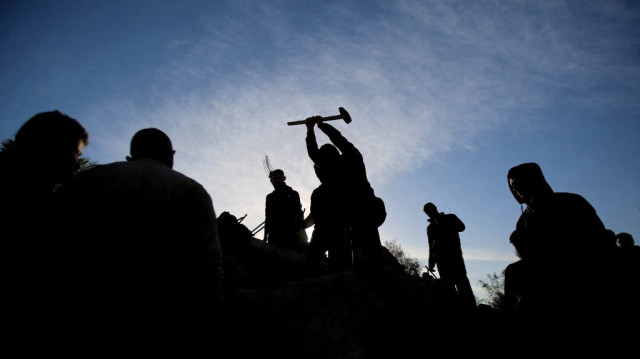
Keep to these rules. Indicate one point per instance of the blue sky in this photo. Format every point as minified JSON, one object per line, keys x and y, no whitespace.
{"x":445,"y":97}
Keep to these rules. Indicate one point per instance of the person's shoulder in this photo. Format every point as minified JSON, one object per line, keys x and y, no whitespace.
{"x":570,"y":200}
{"x":177,"y":175}
{"x":567,"y":196}
{"x":101,"y":169}
{"x":161,"y":173}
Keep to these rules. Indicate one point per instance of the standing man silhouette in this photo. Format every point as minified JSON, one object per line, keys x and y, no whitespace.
{"x":445,"y":251}
{"x":283,"y":213}
{"x":331,"y":228}
{"x":343,"y":164}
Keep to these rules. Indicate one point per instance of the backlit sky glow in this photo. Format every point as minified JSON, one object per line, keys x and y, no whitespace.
{"x":445,"y":97}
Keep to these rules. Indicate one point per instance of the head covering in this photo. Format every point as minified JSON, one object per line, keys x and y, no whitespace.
{"x":530,"y":182}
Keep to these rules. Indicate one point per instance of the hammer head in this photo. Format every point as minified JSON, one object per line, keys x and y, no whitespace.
{"x":345,"y":115}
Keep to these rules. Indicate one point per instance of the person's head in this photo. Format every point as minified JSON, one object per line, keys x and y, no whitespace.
{"x":152,"y":143}
{"x":329,"y":152}
{"x":277,"y":177}
{"x":625,"y":240}
{"x":328,"y":159}
{"x":527,"y":183}
{"x":54,"y":141}
{"x":328,"y":155}
{"x":430,"y":209}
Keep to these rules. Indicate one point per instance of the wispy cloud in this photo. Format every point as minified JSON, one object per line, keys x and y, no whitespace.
{"x":418,"y":73}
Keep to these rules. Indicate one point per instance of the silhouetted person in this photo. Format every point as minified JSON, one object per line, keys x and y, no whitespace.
{"x":563,"y":281}
{"x":629,"y":257}
{"x":234,"y":239}
{"x":330,"y":232}
{"x":445,"y":251}
{"x":283,"y":213}
{"x":42,"y":155}
{"x":150,"y":263}
{"x":630,"y":253}
{"x":343,"y":163}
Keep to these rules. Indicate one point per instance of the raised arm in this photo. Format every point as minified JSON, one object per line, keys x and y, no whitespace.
{"x":312,"y":144}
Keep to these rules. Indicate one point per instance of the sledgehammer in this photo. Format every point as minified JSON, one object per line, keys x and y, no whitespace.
{"x":343,"y":115}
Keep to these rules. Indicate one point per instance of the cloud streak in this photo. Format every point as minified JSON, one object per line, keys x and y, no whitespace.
{"x":419,"y":73}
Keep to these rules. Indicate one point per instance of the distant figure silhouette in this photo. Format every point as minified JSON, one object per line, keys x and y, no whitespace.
{"x":342,"y":162}
{"x":566,"y":266}
{"x":630,"y":252}
{"x":330,"y":232}
{"x":234,"y":239}
{"x":150,"y":264}
{"x":283,"y":213}
{"x":629,"y":257}
{"x":445,"y":251}
{"x":43,"y":154}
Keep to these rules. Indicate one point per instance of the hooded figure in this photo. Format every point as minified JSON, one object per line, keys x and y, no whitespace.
{"x":566,"y":258}
{"x":556,"y":226}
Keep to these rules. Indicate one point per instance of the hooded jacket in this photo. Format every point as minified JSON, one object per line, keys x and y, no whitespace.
{"x":556,"y":227}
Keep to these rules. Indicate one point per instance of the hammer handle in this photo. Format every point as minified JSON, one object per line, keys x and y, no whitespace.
{"x":328,"y":118}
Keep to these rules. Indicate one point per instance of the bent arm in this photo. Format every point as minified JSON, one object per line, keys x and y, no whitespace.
{"x":455,"y":223}
{"x":432,"y":257}
{"x":296,"y":208}
{"x":267,"y":220}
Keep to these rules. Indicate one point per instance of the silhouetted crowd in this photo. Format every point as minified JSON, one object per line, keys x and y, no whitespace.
{"x":107,"y":254}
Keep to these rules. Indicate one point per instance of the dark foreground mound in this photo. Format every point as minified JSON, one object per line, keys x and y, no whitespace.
{"x":301,"y":311}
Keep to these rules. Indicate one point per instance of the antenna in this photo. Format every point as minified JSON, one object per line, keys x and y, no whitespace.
{"x":267,"y":166}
